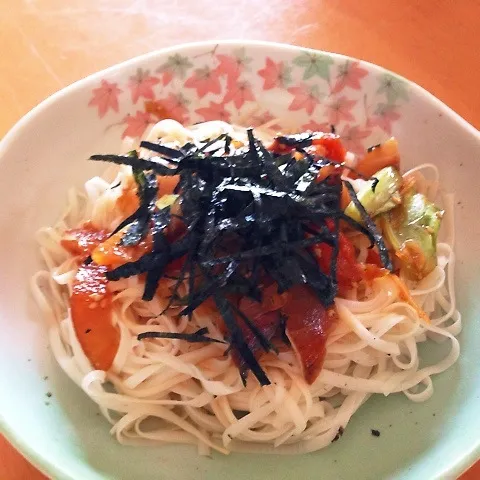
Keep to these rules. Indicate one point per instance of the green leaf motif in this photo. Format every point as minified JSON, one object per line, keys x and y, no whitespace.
{"x":182,"y":99}
{"x":286,"y":76}
{"x":178,"y":64}
{"x":384,"y":108}
{"x":393,"y":87}
{"x":344,"y":68}
{"x":241,"y":55}
{"x":314,"y":65}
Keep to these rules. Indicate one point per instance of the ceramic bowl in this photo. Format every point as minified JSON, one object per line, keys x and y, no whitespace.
{"x":56,"y":426}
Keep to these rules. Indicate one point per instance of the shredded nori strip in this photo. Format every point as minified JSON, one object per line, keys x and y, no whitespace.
{"x":134,"y":163}
{"x":370,"y":224}
{"x":247,"y":216}
{"x":136,"y":232}
{"x":283,"y":330}
{"x":170,"y":153}
{"x":197,"y":337}
{"x":215,"y":284}
{"x":264,"y":342}
{"x":238,"y":341}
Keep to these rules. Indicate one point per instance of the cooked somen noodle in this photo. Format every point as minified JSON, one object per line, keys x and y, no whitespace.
{"x":171,"y":390}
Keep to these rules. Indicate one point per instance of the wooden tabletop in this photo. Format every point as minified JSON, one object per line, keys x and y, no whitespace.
{"x":47,"y":44}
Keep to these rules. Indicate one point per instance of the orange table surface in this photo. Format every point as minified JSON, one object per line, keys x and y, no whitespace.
{"x":47,"y":44}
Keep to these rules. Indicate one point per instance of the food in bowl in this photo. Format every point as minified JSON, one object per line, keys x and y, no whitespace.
{"x":244,"y":290}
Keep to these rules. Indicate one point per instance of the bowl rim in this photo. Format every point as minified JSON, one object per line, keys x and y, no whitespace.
{"x":52,"y":467}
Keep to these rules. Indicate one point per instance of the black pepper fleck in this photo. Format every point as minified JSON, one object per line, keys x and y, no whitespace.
{"x":375,"y":433}
{"x":45,"y":377}
{"x":48,"y":394}
{"x":88,"y":330}
{"x":47,"y":404}
{"x":433,"y":414}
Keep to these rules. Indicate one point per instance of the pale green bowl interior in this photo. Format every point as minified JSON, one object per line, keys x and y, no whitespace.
{"x":44,"y":155}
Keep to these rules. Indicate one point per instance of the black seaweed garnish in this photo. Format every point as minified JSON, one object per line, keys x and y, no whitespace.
{"x":248,"y":218}
{"x":196,"y":337}
{"x":370,"y":224}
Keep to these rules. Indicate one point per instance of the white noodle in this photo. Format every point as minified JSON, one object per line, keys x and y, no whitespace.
{"x":168,"y":391}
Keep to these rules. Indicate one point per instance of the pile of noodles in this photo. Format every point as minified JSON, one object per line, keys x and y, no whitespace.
{"x":171,"y":391}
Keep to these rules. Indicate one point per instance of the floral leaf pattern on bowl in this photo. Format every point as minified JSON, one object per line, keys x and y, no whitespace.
{"x":204,"y":80}
{"x":393,"y":87}
{"x":350,"y":75}
{"x":136,"y":124}
{"x":215,"y":111}
{"x":384,"y":116}
{"x":275,"y":74}
{"x":232,"y":66}
{"x":244,"y":86}
{"x":175,"y":65}
{"x":314,"y":64}
{"x":354,"y":137}
{"x":105,"y":97}
{"x":304,"y":96}
{"x":141,"y":85}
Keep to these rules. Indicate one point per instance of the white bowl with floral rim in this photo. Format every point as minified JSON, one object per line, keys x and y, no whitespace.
{"x":55,"y":425}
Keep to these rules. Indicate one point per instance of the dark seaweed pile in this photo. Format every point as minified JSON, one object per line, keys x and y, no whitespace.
{"x":247,"y":215}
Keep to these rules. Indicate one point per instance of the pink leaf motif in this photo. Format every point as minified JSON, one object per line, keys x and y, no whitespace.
{"x":215,"y":111}
{"x":232,"y":66}
{"x":141,"y":85}
{"x":204,"y":80}
{"x":314,"y":126}
{"x":340,"y":109}
{"x":228,"y":66}
{"x":263,"y":119}
{"x":349,"y":75}
{"x":240,"y":92}
{"x":175,"y":106}
{"x":383,"y":117}
{"x":305,"y":97}
{"x":105,"y":97}
{"x":136,"y":124}
{"x":352,"y":136}
{"x":167,"y":77}
{"x":274,"y":74}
